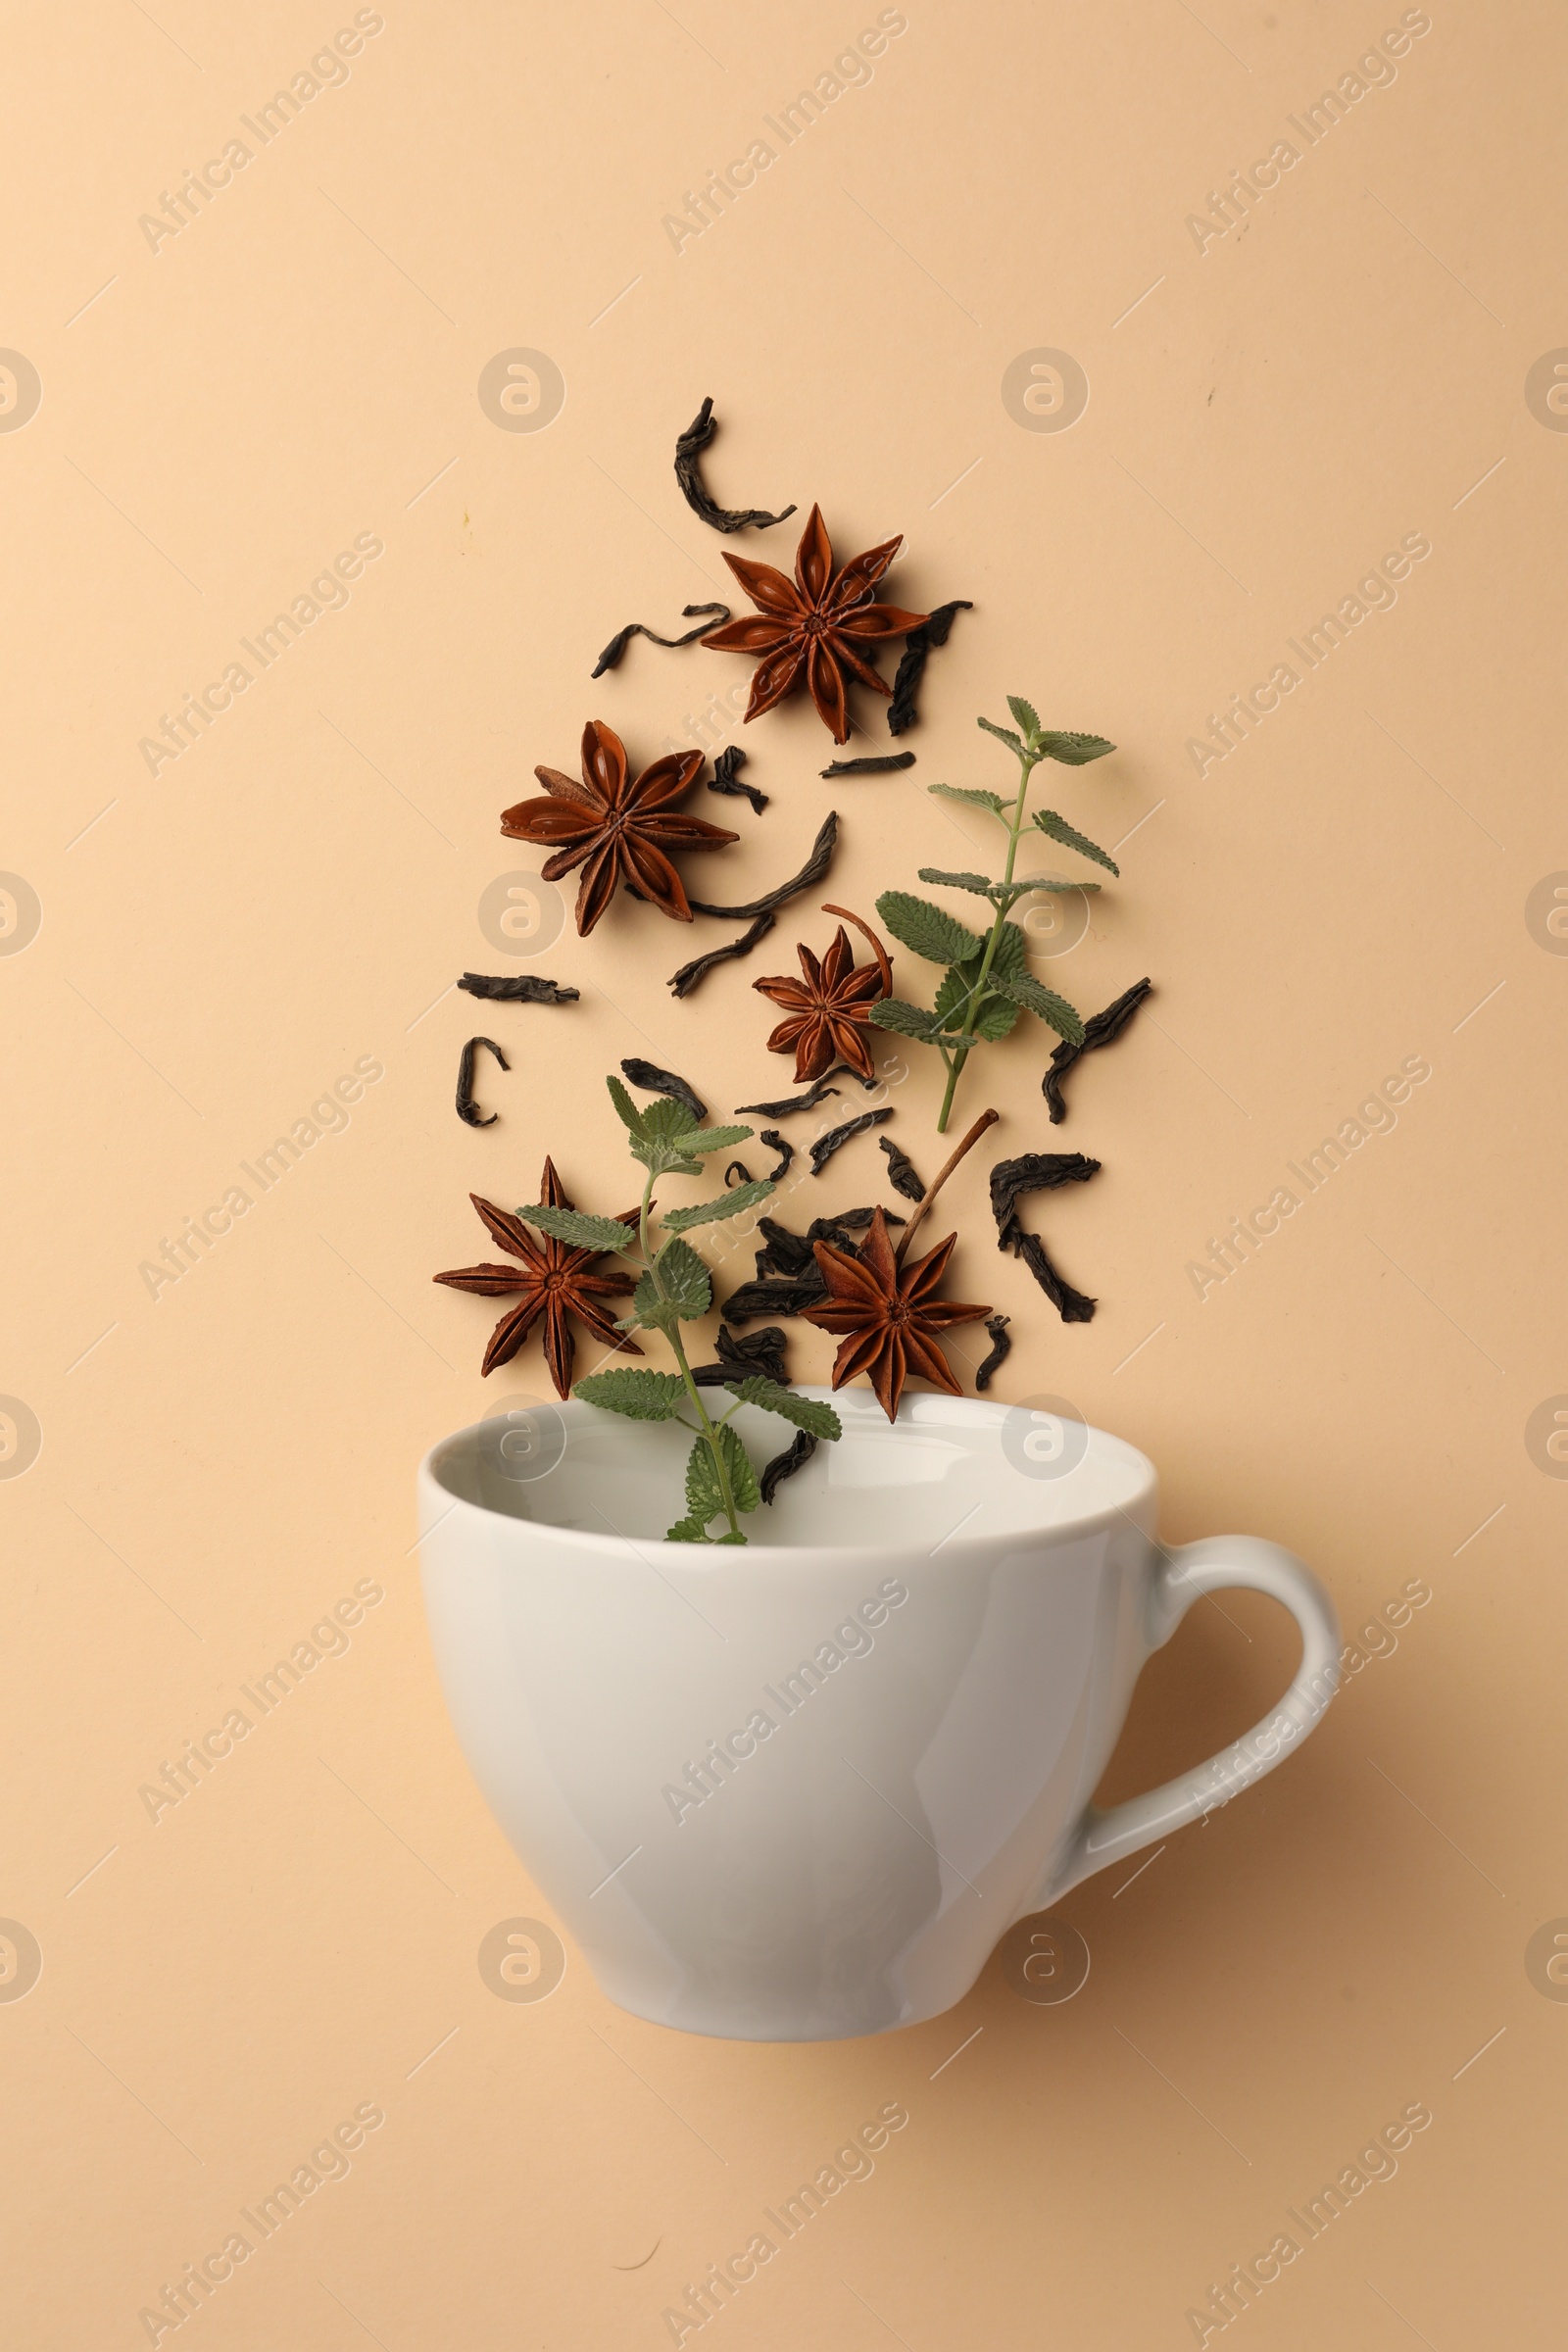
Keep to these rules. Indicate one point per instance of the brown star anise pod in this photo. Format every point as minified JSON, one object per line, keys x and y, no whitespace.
{"x":554,"y":1280}
{"x":889,"y":1313}
{"x":829,"y":1008}
{"x":616,"y":831}
{"x":815,"y":623}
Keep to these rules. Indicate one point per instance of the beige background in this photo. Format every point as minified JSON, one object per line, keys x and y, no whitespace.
{"x":220,"y":941}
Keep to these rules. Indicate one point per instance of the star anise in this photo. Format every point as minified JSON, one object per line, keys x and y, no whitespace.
{"x":553,"y":1281}
{"x":815,"y":623}
{"x":831,"y":1007}
{"x":888,"y":1314}
{"x":614,"y":830}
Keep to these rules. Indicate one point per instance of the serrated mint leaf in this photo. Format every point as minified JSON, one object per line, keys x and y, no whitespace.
{"x":1025,"y":714}
{"x":738,"y":1468}
{"x":976,"y":799}
{"x":976,"y":882}
{"x":906,"y":1021}
{"x":1073,"y":751}
{"x":704,"y":1497}
{"x":626,"y":1109}
{"x":805,"y":1413}
{"x":684,"y":1280}
{"x":1003,"y":734}
{"x":996,"y":1019}
{"x":1057,"y":882}
{"x":743,"y":1195}
{"x":1011,"y":953}
{"x":1025,"y":989}
{"x":700,"y":1141}
{"x":1057,"y":829}
{"x":640,"y":1396}
{"x":929,"y":930}
{"x":686,"y":1530}
{"x":667,"y":1119}
{"x":582,"y":1232}
{"x":650,"y":1311}
{"x":730,"y":1535}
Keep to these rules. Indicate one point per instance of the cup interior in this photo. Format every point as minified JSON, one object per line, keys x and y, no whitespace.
{"x":949,"y":1470}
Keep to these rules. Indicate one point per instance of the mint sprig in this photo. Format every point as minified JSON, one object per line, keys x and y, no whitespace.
{"x":987,"y":982}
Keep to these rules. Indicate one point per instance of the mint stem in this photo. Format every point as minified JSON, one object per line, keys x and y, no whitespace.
{"x":960,"y":1053}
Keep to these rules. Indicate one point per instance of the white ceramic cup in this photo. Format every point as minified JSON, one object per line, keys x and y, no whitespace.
{"x":799,"y":1791}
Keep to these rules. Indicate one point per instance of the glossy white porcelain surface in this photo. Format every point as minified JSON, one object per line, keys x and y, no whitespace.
{"x":798,"y":1790}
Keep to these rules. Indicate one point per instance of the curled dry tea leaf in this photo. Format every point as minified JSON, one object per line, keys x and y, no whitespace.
{"x":467,"y":1109}
{"x":688,"y":452}
{"x":933,"y":631}
{"x":1101,"y":1029}
{"x":517,"y":988}
{"x":610,"y":657}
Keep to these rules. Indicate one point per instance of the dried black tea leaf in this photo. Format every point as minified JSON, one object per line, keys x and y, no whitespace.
{"x":902,"y":713}
{"x":784,"y":1465}
{"x":517,"y":988}
{"x":876,"y":767}
{"x":725,"y":769}
{"x":682,"y":983}
{"x":836,"y":1138}
{"x":842,"y":1228}
{"x":688,"y":451}
{"x":1071,"y":1304}
{"x":813,"y":871}
{"x":654,"y":1081}
{"x":737,"y":1172}
{"x":782,"y":1108}
{"x":772,"y":1137}
{"x":757,"y":1351}
{"x":1031,"y":1172}
{"x":900,"y":1172}
{"x":783,"y":1251}
{"x":1001,"y":1342}
{"x":752,"y":1299}
{"x":1098,"y":1030}
{"x":618,"y":645}
{"x":467,"y":1109}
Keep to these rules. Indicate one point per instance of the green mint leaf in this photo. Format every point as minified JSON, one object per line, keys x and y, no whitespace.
{"x":976,"y":882}
{"x":684,"y":1280}
{"x":975,"y":800}
{"x":1025,"y":989}
{"x":1011,"y":953}
{"x":1073,"y":751}
{"x":743,"y":1195}
{"x":697,"y":1141}
{"x":667,"y":1119}
{"x":908,"y":1020}
{"x":650,"y":1311}
{"x":704,"y":1496}
{"x":1004,"y":735}
{"x":929,"y":930}
{"x":742,"y":1476}
{"x":1057,"y":829}
{"x":729,"y":1536}
{"x":626,"y":1109}
{"x":686,"y":1530}
{"x":803,"y":1411}
{"x":995,"y":1018}
{"x":1056,"y":882}
{"x":582,"y":1232}
{"x":1026,"y":715}
{"x":640,"y":1396}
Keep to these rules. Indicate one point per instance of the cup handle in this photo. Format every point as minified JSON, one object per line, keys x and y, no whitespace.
{"x":1182,"y":1577}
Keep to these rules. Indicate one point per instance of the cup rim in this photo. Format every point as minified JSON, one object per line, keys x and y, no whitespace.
{"x":932,"y":1408}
